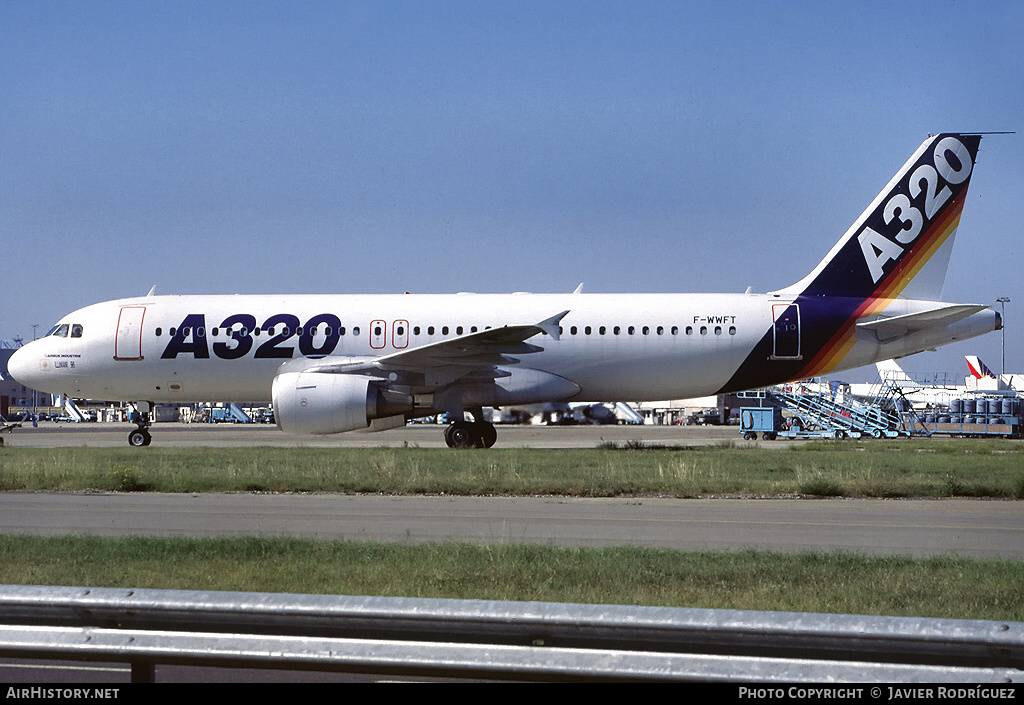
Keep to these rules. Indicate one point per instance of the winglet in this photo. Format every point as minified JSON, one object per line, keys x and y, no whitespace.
{"x":578,"y":289}
{"x":550,"y":325}
{"x":152,"y":291}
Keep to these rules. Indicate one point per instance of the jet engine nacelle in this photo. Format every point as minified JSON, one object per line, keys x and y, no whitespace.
{"x":318,"y":403}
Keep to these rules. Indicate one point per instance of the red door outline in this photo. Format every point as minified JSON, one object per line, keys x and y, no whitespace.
{"x":378,"y":334}
{"x":400,"y":334}
{"x":128,"y":340}
{"x":786,"y":326}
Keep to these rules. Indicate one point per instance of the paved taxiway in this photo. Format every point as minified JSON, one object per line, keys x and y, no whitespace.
{"x":57,"y":434}
{"x":913,"y":527}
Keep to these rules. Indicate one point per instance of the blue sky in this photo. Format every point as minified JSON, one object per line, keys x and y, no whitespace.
{"x":348,"y":147}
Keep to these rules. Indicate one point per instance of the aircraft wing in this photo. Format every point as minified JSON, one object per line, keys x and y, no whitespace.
{"x":482,"y":350}
{"x":897,"y":326}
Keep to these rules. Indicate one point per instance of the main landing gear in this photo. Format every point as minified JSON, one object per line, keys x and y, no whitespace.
{"x":471,"y":434}
{"x":140,"y":437}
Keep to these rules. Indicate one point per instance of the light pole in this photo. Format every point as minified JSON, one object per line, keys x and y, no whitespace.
{"x":1002,"y":301}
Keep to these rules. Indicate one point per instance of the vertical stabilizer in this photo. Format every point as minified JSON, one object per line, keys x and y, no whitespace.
{"x":898,"y":248}
{"x":890,"y":371}
{"x":978,"y":369}
{"x":900,"y":245}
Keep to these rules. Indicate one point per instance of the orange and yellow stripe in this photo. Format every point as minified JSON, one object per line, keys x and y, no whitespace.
{"x":833,"y":352}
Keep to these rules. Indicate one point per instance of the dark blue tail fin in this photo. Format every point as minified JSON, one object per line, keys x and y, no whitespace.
{"x":900,"y":245}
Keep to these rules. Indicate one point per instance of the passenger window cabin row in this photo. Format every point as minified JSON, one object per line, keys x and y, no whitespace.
{"x":215,"y":332}
{"x":647,"y":330}
{"x":76,"y":331}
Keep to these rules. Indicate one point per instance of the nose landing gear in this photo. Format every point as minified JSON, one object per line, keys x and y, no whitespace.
{"x":140,"y":436}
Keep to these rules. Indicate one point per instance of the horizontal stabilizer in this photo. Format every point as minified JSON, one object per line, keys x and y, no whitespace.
{"x":898,"y":326}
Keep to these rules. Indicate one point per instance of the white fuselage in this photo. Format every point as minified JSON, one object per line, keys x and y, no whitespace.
{"x":614,"y":347}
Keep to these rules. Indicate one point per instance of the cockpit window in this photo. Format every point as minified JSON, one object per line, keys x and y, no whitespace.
{"x":61,"y":330}
{"x":76,"y":330}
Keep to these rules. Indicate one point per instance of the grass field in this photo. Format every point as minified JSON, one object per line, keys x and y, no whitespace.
{"x":833,"y":582}
{"x":903,"y":468}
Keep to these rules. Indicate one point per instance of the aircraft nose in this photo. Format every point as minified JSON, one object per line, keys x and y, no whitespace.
{"x":23,"y":366}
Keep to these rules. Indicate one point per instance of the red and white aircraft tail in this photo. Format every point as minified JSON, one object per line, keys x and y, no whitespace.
{"x":977,"y":368}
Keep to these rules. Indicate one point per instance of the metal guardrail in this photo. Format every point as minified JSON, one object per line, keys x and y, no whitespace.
{"x":497,"y":640}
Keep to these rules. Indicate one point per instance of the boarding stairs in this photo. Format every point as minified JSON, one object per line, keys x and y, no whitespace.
{"x":238,"y":414}
{"x":628,"y":413}
{"x":815,"y":405}
{"x":72,"y":410}
{"x":891,"y":398}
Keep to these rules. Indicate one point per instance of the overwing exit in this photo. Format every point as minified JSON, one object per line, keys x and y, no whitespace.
{"x":331,"y":364}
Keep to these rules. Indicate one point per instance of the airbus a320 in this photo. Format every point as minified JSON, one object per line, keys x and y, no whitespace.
{"x":331,"y":364}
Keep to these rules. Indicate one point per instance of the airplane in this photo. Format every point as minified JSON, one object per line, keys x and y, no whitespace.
{"x":891,"y":370}
{"x":977,"y":368}
{"x":337,"y":363}
{"x":983,"y":379}
{"x":920,"y":394}
{"x":937,"y":391}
